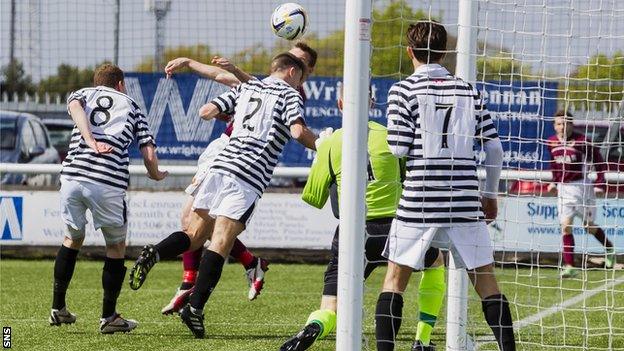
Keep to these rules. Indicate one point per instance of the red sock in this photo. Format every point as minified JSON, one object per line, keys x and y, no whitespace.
{"x":568,"y":249}
{"x":190,"y":261}
{"x":602,"y":238}
{"x":241,"y":254}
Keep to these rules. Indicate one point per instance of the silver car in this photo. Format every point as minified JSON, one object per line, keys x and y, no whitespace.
{"x":24,"y":139}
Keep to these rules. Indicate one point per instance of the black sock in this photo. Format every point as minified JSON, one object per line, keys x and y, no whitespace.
{"x":388,"y":319}
{"x":186,"y":285}
{"x":173,"y":245}
{"x":112,"y":278}
{"x":63,"y":271}
{"x":209,"y":274}
{"x":498,"y":316}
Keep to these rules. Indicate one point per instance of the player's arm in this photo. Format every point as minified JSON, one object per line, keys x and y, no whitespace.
{"x":300,"y":132}
{"x":401,"y":128}
{"x":552,"y":186}
{"x":222,"y":104}
{"x":147,"y":146}
{"x":211,"y":72}
{"x":599,"y":165}
{"x":493,"y":163}
{"x":79,"y":116}
{"x":225,"y":64}
{"x":316,"y":190}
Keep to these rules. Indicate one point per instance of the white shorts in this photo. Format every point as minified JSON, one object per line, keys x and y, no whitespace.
{"x":225,"y":195}
{"x":470,"y":245}
{"x":205,"y":160}
{"x":107,"y":206}
{"x":576,"y":199}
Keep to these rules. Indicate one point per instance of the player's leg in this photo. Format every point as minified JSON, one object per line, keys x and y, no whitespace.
{"x":225,"y":232}
{"x":567,"y":240}
{"x":594,"y":229}
{"x":113,"y":275}
{"x":175,"y":244}
{"x":389,"y":310}
{"x":431,"y":292}
{"x":73,"y":215}
{"x":255,"y":268}
{"x":322,"y":321}
{"x":471,"y":248}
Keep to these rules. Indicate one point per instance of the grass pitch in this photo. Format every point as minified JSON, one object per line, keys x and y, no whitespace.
{"x":291,"y":293}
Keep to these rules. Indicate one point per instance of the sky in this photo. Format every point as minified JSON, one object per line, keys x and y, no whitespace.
{"x":550,"y":35}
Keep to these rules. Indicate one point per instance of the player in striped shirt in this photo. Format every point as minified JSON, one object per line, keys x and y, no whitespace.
{"x":267,"y":114}
{"x":572,"y":158}
{"x":385,"y":173}
{"x":95,"y":177}
{"x":434,"y":119}
{"x":255,"y":267}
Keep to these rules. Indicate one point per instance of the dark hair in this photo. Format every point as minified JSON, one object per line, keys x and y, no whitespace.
{"x":567,"y":116}
{"x":308,"y":50}
{"x":285,"y":60}
{"x":108,"y":75}
{"x":427,"y":40}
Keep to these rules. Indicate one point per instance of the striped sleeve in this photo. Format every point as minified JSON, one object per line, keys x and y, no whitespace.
{"x":226,"y":102}
{"x":80,"y":95}
{"x":142,"y":133}
{"x":401,"y":127}
{"x":485,"y":130}
{"x":293,"y":108}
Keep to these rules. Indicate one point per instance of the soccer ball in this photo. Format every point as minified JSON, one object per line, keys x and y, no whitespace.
{"x":289,"y":21}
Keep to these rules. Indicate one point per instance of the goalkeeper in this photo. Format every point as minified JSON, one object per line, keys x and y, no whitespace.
{"x":385,"y":173}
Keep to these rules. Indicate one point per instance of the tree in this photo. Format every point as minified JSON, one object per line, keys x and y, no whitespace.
{"x":67,"y":79}
{"x":502,"y":68}
{"x":201,"y":53}
{"x":15,"y":80}
{"x":600,"y":81}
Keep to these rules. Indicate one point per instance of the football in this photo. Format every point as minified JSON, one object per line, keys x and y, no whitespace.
{"x":289,"y":21}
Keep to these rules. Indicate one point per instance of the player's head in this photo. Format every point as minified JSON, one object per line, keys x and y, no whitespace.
{"x":339,"y":102}
{"x":426,"y":41}
{"x":306,"y":54}
{"x":564,"y":124}
{"x":289,"y":68}
{"x":110,"y":76}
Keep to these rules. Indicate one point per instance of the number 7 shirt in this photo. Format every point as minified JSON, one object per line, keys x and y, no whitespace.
{"x":263,"y":113}
{"x":434,"y":120}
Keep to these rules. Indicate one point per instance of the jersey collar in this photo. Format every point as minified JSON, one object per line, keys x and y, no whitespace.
{"x":275,"y":80}
{"x":431,"y":70}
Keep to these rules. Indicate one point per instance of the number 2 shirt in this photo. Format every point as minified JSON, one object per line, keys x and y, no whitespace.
{"x":434,"y":120}
{"x":263,"y":113}
{"x":114,"y":118}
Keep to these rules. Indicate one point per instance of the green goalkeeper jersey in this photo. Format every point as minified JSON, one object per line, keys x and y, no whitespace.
{"x":385,"y":174}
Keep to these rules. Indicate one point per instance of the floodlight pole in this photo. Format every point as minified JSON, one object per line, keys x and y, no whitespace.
{"x":353,"y":185}
{"x":457,"y":297}
{"x":160,"y":8}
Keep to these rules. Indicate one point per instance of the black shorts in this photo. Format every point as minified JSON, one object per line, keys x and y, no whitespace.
{"x":377,"y":233}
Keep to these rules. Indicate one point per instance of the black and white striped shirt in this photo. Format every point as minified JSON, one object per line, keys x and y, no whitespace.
{"x":434,"y":120}
{"x":263,"y":113}
{"x":115,"y":119}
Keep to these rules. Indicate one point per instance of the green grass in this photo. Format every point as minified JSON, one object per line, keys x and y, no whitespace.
{"x":291,"y":293}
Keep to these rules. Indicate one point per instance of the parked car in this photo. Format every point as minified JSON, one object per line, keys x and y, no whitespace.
{"x":60,"y":134}
{"x":24,"y":139}
{"x":608,"y":136}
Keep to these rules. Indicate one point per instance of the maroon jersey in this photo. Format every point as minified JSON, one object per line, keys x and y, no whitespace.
{"x":573,"y":158}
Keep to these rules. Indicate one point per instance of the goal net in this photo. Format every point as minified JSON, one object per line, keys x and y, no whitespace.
{"x":533,"y":59}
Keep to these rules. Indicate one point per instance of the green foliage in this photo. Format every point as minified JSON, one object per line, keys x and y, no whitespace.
{"x":502,"y":68}
{"x":601,"y":80}
{"x":67,"y":79}
{"x":15,"y":80}
{"x":200,"y":53}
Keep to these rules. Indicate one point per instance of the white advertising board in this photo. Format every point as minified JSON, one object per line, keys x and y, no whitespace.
{"x":284,"y":221}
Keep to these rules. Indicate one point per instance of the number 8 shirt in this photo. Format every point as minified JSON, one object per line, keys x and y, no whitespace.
{"x":435,"y":118}
{"x":115,"y":119}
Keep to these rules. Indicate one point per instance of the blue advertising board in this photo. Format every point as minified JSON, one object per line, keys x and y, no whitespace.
{"x":521,"y":111}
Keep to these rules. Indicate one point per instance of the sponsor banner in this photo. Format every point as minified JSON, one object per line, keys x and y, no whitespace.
{"x":172,"y":106}
{"x":532,"y":224}
{"x":280,"y":220}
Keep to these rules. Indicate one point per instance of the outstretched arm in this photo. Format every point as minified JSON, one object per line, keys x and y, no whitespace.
{"x":225,"y":64}
{"x":302,"y":134}
{"x":79,"y":116}
{"x":211,"y":72}
{"x":209,"y":111}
